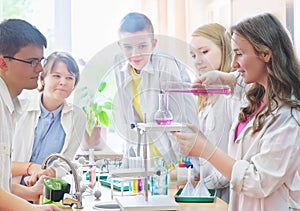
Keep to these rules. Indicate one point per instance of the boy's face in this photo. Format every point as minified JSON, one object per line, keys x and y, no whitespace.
{"x":137,"y":47}
{"x":19,"y":75}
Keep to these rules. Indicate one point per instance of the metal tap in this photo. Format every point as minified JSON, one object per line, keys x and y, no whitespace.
{"x":78,"y":195}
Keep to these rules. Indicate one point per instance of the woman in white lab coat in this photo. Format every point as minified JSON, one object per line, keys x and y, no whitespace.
{"x":264,"y":145}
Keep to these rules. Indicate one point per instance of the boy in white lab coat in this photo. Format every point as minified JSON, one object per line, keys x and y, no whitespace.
{"x":21,"y":53}
{"x":140,"y":77}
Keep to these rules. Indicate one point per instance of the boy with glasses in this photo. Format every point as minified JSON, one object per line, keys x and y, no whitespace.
{"x":21,"y":53}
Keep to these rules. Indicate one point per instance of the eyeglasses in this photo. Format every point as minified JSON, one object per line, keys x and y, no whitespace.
{"x":34,"y":62}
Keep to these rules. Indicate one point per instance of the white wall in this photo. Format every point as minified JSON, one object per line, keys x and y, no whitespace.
{"x":242,"y":9}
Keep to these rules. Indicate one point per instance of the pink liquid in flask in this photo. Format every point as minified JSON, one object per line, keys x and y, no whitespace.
{"x":164,"y":121}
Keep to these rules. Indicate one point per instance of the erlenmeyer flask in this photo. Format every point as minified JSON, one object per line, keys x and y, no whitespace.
{"x":188,"y":188}
{"x":163,"y":116}
{"x":201,"y":190}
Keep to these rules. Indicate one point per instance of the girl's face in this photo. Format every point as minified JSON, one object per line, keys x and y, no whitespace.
{"x":250,"y":64}
{"x":58,"y":83}
{"x":137,"y":47}
{"x":206,"y":54}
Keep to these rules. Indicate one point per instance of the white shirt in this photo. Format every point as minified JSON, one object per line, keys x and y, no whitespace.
{"x":73,"y":121}
{"x":9,"y":110}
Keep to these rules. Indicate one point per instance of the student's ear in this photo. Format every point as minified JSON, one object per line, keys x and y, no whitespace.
{"x":154,"y":42}
{"x":3,"y":65}
{"x":267,"y":55}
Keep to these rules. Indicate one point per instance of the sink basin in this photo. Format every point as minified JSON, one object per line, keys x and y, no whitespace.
{"x":111,"y":205}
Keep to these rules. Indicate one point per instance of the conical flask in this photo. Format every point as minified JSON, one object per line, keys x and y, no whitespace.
{"x":163,"y":116}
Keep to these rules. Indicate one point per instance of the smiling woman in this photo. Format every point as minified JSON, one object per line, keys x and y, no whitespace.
{"x":49,"y":124}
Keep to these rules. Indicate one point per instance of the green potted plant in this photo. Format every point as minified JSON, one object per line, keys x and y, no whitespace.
{"x":97,"y":120}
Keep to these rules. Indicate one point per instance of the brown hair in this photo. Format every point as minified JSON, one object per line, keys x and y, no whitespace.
{"x":283,"y":67}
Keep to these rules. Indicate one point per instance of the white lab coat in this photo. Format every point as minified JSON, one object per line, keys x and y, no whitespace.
{"x":155,"y":74}
{"x":73,"y":122}
{"x":215,"y":122}
{"x":265,"y":176}
{"x":9,"y":111}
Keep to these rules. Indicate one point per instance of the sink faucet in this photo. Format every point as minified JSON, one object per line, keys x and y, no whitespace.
{"x":78,"y":195}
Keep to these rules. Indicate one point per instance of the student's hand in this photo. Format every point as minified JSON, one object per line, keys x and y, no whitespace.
{"x":194,"y":143}
{"x":199,"y":85}
{"x":37,"y":168}
{"x":48,"y":207}
{"x":38,"y":188}
{"x":216,"y":77}
{"x":31,"y":179}
{"x":187,"y":141}
{"x":34,"y":177}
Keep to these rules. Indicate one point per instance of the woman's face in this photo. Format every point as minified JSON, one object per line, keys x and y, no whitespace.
{"x":250,"y":64}
{"x":58,"y":83}
{"x":206,"y":54}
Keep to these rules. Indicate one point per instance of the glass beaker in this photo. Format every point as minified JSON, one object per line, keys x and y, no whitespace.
{"x":163,"y":116}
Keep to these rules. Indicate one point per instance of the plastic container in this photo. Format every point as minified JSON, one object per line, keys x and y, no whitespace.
{"x":54,"y":189}
{"x":182,"y":172}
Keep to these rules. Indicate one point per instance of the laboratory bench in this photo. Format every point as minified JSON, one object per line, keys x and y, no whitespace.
{"x":108,"y":195}
{"x":89,"y":201}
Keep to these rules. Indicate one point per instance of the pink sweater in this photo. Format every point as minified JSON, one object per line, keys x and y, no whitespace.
{"x":242,"y":125}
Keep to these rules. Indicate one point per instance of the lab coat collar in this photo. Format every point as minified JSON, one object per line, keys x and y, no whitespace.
{"x":34,"y":105}
{"x":12,"y":104}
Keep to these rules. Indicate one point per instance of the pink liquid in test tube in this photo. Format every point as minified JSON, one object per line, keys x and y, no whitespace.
{"x":225,"y":90}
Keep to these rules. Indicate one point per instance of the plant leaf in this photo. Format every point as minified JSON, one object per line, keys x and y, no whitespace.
{"x":108,"y":105}
{"x":102,"y":86}
{"x":104,"y":119}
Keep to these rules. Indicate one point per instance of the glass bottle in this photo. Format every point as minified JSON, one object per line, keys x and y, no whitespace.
{"x":159,"y":181}
{"x":163,"y":116}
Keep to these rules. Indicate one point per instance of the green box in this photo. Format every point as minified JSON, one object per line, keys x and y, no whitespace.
{"x":194,"y":199}
{"x":54,"y":189}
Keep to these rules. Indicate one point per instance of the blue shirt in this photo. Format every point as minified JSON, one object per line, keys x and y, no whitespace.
{"x":49,"y":135}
